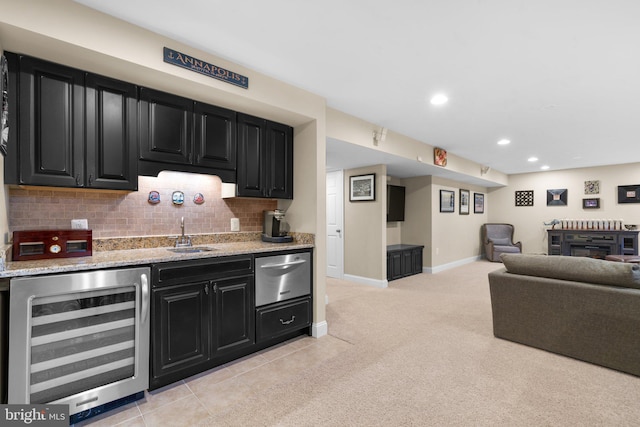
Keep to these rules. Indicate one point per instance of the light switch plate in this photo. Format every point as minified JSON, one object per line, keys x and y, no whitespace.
{"x":235,"y":224}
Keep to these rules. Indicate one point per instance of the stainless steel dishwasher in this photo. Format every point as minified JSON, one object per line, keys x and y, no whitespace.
{"x":282,"y":277}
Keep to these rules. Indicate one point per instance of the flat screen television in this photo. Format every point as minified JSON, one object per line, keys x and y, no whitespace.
{"x":395,"y":203}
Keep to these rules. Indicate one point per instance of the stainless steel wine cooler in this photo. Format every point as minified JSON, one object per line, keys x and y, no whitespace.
{"x":80,"y":339}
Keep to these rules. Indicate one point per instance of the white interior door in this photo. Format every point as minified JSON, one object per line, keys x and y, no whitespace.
{"x":335,"y":242}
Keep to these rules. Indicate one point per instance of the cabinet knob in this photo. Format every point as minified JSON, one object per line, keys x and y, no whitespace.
{"x":206,"y":289}
{"x":78,"y":180}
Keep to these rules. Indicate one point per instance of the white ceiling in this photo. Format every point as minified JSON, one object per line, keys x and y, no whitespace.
{"x":559,"y":78}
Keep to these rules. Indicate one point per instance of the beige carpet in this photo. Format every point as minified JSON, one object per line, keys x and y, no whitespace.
{"x":422,"y":353}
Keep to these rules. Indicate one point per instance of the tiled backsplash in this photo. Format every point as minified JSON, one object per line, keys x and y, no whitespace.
{"x":117,"y":214}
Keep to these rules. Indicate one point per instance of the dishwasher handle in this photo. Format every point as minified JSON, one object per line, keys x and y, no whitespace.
{"x":284,"y":265}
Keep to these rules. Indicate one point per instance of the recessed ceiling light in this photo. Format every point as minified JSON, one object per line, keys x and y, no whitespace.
{"x":532,"y":159}
{"x":504,"y":142}
{"x":545,"y":167}
{"x":439,"y":99}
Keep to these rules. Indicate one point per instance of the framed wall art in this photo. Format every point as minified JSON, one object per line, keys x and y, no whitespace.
{"x":464,"y":202}
{"x":592,"y":187}
{"x":593,"y":203}
{"x":557,"y":197}
{"x":447,"y":201}
{"x":362,"y":188}
{"x":478,"y":203}
{"x":629,"y":193}
{"x":524,"y":198}
{"x":439,"y":157}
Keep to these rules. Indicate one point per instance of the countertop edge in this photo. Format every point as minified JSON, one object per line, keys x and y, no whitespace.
{"x":145,"y":256}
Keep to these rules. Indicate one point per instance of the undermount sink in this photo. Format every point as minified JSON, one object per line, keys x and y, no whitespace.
{"x":191,"y":249}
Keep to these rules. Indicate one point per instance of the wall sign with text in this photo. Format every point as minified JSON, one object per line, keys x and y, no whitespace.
{"x":190,"y":63}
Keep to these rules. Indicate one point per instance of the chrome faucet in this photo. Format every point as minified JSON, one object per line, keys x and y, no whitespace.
{"x":183,"y":240}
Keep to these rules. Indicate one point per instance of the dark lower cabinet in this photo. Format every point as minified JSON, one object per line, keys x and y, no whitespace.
{"x":403,"y":260}
{"x":202,"y":315}
{"x":181,"y":334}
{"x":75,"y":129}
{"x":265,"y":158}
{"x":233,"y":317}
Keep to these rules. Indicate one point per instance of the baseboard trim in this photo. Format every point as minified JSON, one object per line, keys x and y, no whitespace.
{"x":319,"y":329}
{"x":367,"y":281}
{"x":448,"y":266}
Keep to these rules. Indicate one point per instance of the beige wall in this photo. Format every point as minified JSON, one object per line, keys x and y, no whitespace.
{"x":351,"y":129}
{"x":417,"y":227}
{"x":529,"y":221}
{"x":365,"y":228}
{"x":455,"y":237}
{"x":66,"y":32}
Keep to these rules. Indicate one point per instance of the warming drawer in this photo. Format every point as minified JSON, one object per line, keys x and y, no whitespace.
{"x":282,"y":277}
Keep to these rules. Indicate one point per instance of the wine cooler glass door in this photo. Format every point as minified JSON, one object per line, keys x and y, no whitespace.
{"x":80,"y":342}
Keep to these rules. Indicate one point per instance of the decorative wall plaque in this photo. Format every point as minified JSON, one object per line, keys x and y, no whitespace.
{"x":524,"y":198}
{"x":557,"y":197}
{"x":592,"y":187}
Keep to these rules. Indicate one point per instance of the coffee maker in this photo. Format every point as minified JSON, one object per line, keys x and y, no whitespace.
{"x":275,"y":228}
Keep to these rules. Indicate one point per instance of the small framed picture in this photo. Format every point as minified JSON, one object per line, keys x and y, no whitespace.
{"x":362,"y":188}
{"x":629,"y":194}
{"x":478,"y":203}
{"x":464,"y":202}
{"x":593,"y":203}
{"x":557,"y":197}
{"x":447,"y":201}
{"x":439,"y":157}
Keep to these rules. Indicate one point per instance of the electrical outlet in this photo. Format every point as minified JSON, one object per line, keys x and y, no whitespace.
{"x":235,"y":224}
{"x":79,"y":224}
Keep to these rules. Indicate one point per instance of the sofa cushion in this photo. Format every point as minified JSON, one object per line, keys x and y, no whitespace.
{"x":577,"y":269}
{"x":503,"y":241}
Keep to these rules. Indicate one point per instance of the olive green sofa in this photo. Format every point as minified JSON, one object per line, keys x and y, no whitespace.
{"x":584,"y":308}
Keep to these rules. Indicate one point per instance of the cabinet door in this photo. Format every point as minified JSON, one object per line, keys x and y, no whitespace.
{"x":407,"y":263}
{"x":251,"y":152}
{"x":215,"y":137}
{"x":51,"y":124}
{"x":234,"y":315}
{"x":111,"y":142}
{"x":416,"y":255}
{"x":180,"y":335}
{"x":396,"y":265}
{"x":279,"y":166}
{"x":166,"y":126}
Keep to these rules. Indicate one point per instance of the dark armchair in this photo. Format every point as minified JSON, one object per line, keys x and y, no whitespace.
{"x":498,"y":239}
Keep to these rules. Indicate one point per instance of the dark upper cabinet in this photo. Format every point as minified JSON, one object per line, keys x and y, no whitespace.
{"x":251,"y":152}
{"x":51,"y":125}
{"x":74,"y":129}
{"x":111,"y":133}
{"x":182,"y":132}
{"x":214,"y":137}
{"x":265,"y":158}
{"x":166,"y":127}
{"x":280,"y":161}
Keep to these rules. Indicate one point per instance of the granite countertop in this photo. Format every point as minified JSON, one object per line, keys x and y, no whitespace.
{"x":125,"y":257}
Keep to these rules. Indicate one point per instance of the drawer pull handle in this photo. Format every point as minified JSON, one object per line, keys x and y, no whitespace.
{"x":288,"y":321}
{"x":284,"y":264}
